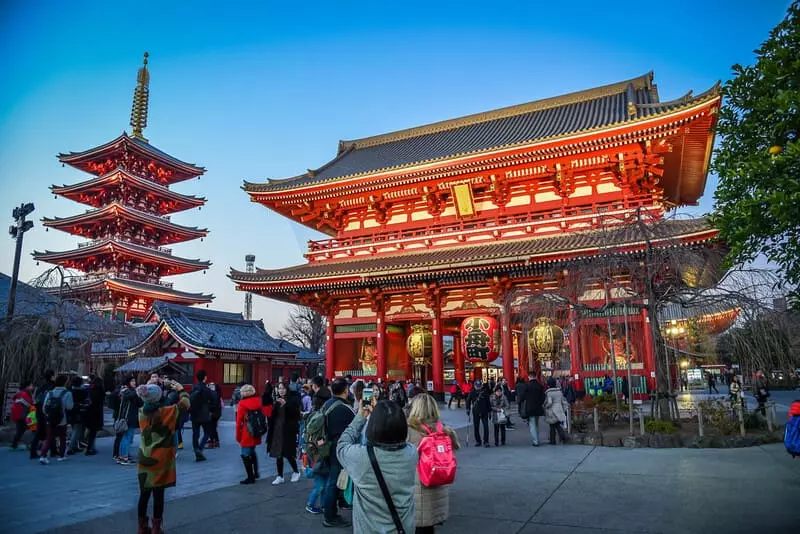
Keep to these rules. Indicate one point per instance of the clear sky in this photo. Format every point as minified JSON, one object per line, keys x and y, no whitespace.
{"x":268,"y":90}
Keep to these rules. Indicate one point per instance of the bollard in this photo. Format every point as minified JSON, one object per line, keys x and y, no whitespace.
{"x":740,"y":411}
{"x":700,"y":420}
{"x":569,"y":419}
{"x":769,"y":418}
{"x":641,"y":422}
{"x":596,"y":421}
{"x":774,"y":413}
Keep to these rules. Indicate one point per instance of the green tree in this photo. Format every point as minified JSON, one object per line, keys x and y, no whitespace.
{"x":757,"y":202}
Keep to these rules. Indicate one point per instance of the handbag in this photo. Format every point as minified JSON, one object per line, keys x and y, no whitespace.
{"x":342,"y":481}
{"x":121,"y":424}
{"x":502,"y":418}
{"x":385,"y":490}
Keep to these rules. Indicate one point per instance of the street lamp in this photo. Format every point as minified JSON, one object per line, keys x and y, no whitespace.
{"x":17,"y":230}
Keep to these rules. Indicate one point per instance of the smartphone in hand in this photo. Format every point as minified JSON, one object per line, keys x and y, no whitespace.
{"x":366,"y":397}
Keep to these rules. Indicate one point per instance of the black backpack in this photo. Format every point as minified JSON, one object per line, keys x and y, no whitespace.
{"x":256,"y":423}
{"x":54,"y":408}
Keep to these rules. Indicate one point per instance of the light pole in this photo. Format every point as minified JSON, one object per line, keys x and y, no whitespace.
{"x":17,"y":231}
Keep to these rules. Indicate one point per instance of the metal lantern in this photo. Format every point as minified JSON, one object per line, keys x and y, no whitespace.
{"x":419,"y":344}
{"x":545,"y":339}
{"x":480,"y":340}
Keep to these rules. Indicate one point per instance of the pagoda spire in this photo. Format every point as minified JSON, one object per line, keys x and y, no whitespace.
{"x":141,"y":97}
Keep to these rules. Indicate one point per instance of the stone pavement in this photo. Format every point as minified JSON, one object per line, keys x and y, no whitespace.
{"x":513,"y":489}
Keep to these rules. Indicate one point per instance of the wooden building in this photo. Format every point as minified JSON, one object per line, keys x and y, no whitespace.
{"x":432,"y":228}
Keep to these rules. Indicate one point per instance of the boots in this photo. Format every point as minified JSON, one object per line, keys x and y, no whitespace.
{"x":144,"y":525}
{"x":247,"y":461}
{"x":157,"y":526}
{"x":254,"y":459}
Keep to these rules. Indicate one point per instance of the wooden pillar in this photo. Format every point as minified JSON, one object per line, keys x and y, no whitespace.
{"x":458,"y":357}
{"x":524,"y":367}
{"x":381,"y":344}
{"x":438,"y":357}
{"x":649,"y":350}
{"x":330,"y":353}
{"x":507,"y":344}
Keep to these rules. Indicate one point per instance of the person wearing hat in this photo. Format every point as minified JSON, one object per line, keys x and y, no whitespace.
{"x":247,"y":442}
{"x":156,"y":463}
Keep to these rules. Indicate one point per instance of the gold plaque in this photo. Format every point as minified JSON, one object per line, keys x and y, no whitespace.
{"x":462,"y":198}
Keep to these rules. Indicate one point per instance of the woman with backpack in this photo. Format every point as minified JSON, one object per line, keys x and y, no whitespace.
{"x":246,"y":440}
{"x":500,"y":407}
{"x":432,"y":503}
{"x":156,"y":469}
{"x":284,"y":429}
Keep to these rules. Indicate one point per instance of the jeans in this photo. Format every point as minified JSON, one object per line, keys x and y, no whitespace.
{"x":75,"y":437}
{"x":476,"y":421}
{"x":247,"y":451}
{"x":199,"y":444}
{"x":21,"y":428}
{"x":499,"y":434}
{"x":316,"y":492}
{"x":533,"y":423}
{"x":55,"y":432}
{"x":125,"y":443}
{"x":330,"y":493}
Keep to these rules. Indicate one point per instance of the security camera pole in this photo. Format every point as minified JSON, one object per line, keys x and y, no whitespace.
{"x":17,"y":230}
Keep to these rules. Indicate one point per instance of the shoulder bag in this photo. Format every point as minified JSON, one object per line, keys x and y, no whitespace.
{"x":121,"y":424}
{"x":385,"y":490}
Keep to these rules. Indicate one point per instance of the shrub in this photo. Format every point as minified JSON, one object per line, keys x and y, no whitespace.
{"x":719,"y":416}
{"x":657,"y":426}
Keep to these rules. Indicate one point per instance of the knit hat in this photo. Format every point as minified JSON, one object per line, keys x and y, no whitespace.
{"x":149,"y":393}
{"x":247,"y":391}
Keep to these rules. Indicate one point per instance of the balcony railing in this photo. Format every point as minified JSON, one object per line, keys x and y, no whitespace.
{"x":97,"y":277}
{"x":164,"y":250}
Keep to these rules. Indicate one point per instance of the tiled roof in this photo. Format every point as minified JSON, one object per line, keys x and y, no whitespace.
{"x":584,"y":111}
{"x":143,"y":365}
{"x":220,"y":331}
{"x":120,"y":345}
{"x":135,"y":287}
{"x":501,"y":253}
{"x":138,"y":143}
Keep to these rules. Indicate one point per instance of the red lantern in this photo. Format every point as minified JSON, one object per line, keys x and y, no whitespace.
{"x":480,"y":340}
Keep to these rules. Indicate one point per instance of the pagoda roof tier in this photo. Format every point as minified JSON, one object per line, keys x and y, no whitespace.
{"x":95,"y":191}
{"x":104,"y":158}
{"x":134,"y":288}
{"x":489,"y":258}
{"x":121,"y":216}
{"x":121,"y":251}
{"x":569,"y":119}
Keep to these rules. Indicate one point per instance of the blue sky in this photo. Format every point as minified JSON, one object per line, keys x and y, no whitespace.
{"x":268,"y":90}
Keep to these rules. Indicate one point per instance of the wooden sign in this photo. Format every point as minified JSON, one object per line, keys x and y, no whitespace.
{"x":462,"y":198}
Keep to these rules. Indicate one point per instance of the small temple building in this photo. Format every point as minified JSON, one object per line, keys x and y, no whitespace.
{"x":128,"y":224}
{"x":230,"y":348}
{"x":435,"y":230}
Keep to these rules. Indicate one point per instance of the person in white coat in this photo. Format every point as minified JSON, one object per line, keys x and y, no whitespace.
{"x":555,"y":411}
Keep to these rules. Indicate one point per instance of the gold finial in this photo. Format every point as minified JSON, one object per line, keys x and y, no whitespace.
{"x":631,"y":110}
{"x":141,"y":98}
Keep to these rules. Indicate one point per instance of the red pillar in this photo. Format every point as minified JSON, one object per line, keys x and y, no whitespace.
{"x":523,"y":355}
{"x":574,"y":354}
{"x":507,"y":344}
{"x":458,"y":357}
{"x":330,"y":354}
{"x":381,"y":345}
{"x":438,"y":356}
{"x":649,"y":350}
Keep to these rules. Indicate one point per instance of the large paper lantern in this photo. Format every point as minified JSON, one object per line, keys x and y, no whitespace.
{"x":480,"y":340}
{"x":419,"y":344}
{"x":545,"y":339}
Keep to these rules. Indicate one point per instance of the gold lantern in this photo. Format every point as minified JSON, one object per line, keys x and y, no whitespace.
{"x":545,"y":339}
{"x":419,"y":344}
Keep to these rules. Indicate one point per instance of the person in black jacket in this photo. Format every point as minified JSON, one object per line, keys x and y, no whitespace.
{"x":534,"y":407}
{"x":201,"y":400}
{"x":478,"y":403}
{"x":94,"y":415}
{"x":321,"y":393}
{"x":286,"y":425}
{"x":76,"y":416}
{"x":129,"y":411}
{"x":216,"y":415}
{"x":339,"y":418}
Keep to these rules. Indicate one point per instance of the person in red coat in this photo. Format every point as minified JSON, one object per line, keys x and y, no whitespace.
{"x":248,"y":442}
{"x":23,"y":400}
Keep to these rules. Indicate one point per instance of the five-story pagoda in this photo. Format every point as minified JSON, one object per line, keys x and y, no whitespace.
{"x":129,"y":224}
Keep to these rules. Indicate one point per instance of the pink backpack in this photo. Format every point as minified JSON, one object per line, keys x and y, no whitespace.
{"x":437,"y":463}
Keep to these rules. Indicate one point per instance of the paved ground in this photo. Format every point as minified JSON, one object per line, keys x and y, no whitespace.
{"x":513,"y":489}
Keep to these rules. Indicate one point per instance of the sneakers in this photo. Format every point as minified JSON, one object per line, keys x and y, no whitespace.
{"x":295,"y":477}
{"x":91,"y":452}
{"x":337,"y":522}
{"x":125,"y":461}
{"x":44,"y":461}
{"x":61,"y":458}
{"x":180,"y":445}
{"x":278,"y":481}
{"x":313,"y":510}
{"x":198,"y":457}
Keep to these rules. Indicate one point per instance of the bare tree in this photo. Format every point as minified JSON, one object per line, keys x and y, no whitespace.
{"x":306,"y":328}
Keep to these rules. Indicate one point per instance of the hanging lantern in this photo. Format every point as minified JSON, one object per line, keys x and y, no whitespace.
{"x":419,"y":344}
{"x":480,"y":340}
{"x":545,"y":339}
